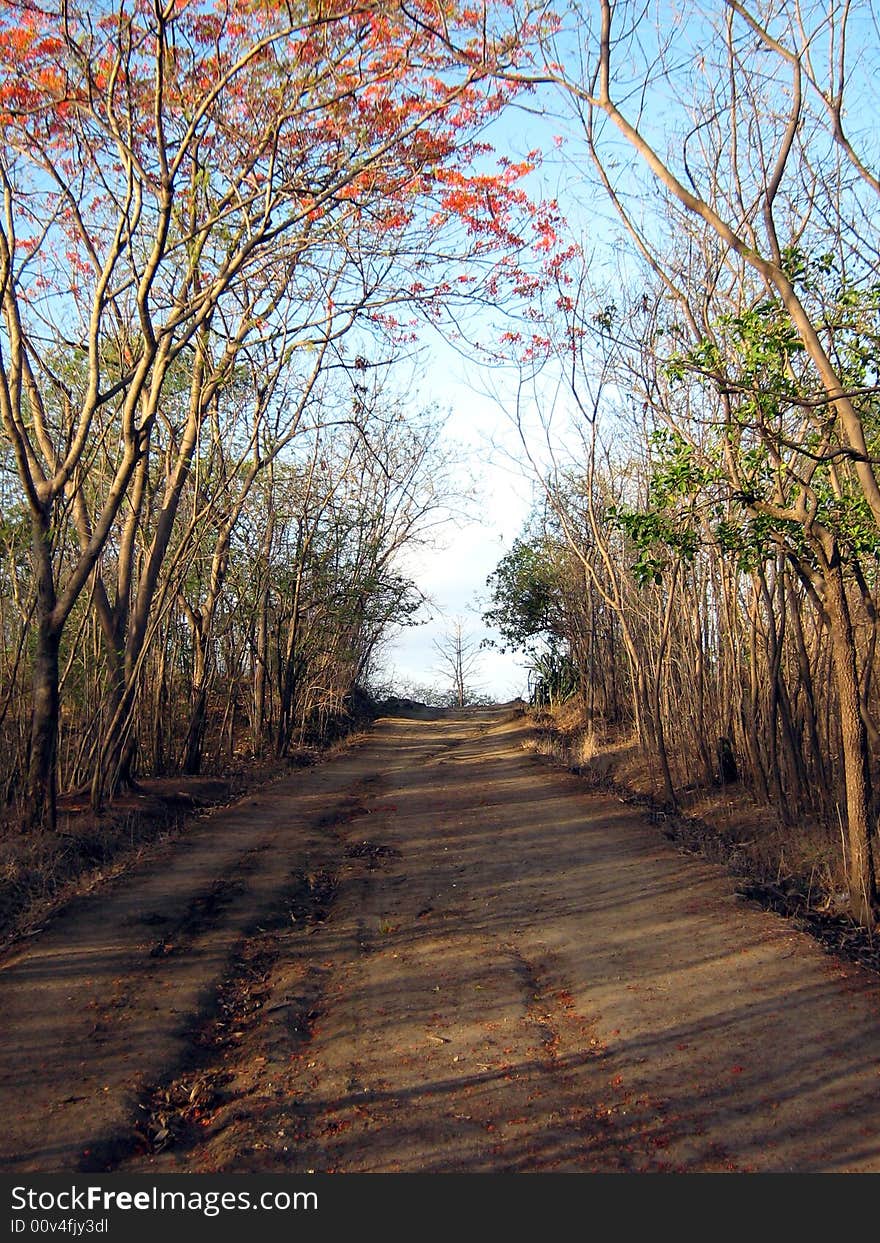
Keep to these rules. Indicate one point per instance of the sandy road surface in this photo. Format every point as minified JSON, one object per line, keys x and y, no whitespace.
{"x":433,"y":954}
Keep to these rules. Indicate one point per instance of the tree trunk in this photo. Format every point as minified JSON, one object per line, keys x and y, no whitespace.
{"x":659,"y":731}
{"x":44,"y":728}
{"x":860,"y":864}
{"x":195,"y":734}
{"x":192,"y":755}
{"x":45,"y":708}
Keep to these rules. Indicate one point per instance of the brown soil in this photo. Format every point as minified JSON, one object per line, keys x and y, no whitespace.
{"x":42,"y":872}
{"x":796,"y":869}
{"x":433,"y":954}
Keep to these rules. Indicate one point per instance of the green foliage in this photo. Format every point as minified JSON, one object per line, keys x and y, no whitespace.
{"x":751,"y":354}
{"x":775,"y":421}
{"x":525,"y":588}
{"x":677,"y":473}
{"x":529,"y":610}
{"x":557,"y":679}
{"x":665,"y":528}
{"x":745,"y":539}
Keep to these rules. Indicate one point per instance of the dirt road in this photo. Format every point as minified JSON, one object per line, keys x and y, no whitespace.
{"x":432,"y":953}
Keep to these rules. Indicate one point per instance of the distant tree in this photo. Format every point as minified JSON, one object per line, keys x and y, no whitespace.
{"x":525,"y":587}
{"x":459,"y":658}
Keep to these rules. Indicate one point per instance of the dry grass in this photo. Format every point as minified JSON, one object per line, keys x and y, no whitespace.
{"x":42,"y":871}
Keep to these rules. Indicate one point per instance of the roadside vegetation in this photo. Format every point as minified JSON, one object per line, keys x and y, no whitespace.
{"x":222,"y":231}
{"x":704,"y":571}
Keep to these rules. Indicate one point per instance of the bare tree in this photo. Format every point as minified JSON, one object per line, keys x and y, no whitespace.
{"x":754,"y":179}
{"x":459,"y":655}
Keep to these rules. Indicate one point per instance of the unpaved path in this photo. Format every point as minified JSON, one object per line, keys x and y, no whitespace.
{"x":433,"y":954}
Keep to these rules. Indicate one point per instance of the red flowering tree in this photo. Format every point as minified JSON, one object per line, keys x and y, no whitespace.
{"x":177,"y":178}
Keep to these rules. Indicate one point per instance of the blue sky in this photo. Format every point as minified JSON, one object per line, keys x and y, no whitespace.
{"x":453,"y":572}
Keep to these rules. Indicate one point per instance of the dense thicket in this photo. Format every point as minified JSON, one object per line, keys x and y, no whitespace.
{"x":218,"y":224}
{"x":709,"y":560}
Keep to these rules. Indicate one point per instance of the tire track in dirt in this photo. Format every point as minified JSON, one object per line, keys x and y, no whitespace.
{"x":436,"y":954}
{"x":96,"y":1011}
{"x":536,"y":982}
